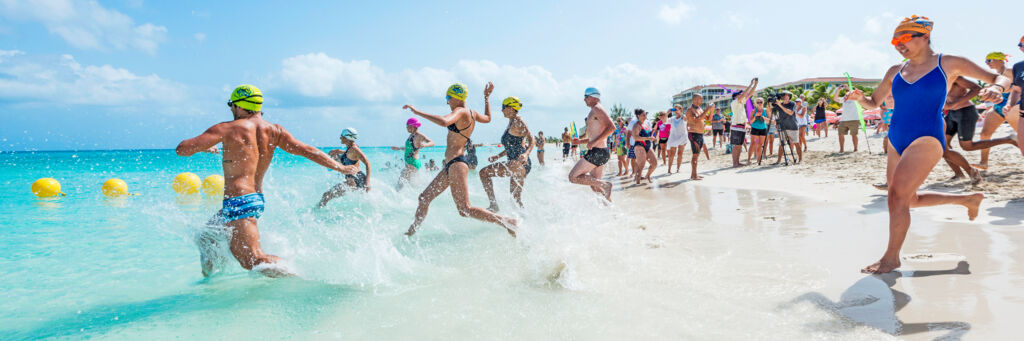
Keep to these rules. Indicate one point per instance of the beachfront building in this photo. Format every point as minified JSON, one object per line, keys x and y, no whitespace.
{"x":713,"y":93}
{"x":807,"y":84}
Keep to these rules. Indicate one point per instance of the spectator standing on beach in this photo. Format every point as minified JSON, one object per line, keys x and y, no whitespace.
{"x":677,"y":139}
{"x":849,"y":121}
{"x":737,"y":137}
{"x":820,"y":119}
{"x":789,"y":134}
{"x":664,"y":129}
{"x":717,"y":129}
{"x":802,"y":120}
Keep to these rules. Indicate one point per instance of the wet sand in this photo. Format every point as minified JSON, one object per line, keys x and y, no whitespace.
{"x":959,"y":279}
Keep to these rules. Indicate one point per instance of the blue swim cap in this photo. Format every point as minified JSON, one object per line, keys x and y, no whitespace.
{"x":592,"y":92}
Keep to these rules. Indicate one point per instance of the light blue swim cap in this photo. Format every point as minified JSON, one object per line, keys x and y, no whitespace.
{"x":592,"y":92}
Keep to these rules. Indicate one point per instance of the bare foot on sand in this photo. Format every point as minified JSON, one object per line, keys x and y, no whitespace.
{"x":972,"y":205}
{"x":975,"y":176}
{"x":882,"y":266}
{"x":697,"y":178}
{"x":981,"y":166}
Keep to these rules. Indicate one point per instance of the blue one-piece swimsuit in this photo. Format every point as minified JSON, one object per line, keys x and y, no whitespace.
{"x":918,"y":110}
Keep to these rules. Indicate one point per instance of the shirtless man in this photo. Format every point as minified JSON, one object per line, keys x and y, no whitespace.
{"x":249,"y":143}
{"x":590,"y":169}
{"x":695,"y":117}
{"x":961,"y":119}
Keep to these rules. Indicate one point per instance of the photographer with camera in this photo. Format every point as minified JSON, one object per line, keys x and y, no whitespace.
{"x":787,"y":127}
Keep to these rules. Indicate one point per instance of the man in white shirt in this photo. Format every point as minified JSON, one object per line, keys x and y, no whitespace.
{"x":738,"y":135}
{"x":849,"y":121}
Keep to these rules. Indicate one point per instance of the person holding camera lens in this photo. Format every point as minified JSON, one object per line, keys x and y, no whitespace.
{"x":788,"y":130}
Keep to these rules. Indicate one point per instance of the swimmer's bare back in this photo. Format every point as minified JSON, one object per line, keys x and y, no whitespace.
{"x":248,"y":147}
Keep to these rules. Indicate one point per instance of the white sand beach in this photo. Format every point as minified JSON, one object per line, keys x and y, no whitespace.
{"x":960,"y":278}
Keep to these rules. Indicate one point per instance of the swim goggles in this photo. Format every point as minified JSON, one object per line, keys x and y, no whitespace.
{"x":245,"y":99}
{"x":906,"y":37}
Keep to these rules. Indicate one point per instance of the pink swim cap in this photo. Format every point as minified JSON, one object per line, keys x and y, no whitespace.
{"x":413,"y":122}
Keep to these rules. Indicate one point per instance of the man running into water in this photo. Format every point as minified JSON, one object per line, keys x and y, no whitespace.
{"x":461,"y":122}
{"x":695,"y":126}
{"x":566,"y":139}
{"x":412,"y":147}
{"x":739,"y":121}
{"x":589,"y":170}
{"x":961,"y":119}
{"x":249,"y":143}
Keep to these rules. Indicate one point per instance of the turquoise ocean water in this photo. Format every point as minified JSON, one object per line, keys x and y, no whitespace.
{"x":85,"y":266}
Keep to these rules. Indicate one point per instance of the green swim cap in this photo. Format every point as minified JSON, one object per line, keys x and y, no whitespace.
{"x":247,"y":97}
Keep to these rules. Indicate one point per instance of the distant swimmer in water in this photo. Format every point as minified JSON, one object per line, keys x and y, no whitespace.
{"x":461,"y":123}
{"x":599,"y":126}
{"x":412,"y":147}
{"x":432,"y":166}
{"x":351,"y":156}
{"x":518,"y":143}
{"x":249,"y":142}
{"x":916,"y":139}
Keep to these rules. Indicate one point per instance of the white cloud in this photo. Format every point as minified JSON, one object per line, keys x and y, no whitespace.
{"x":87,"y":24}
{"x":318,"y":75}
{"x":675,"y":14}
{"x":861,"y":59}
{"x":200,"y":37}
{"x":28,"y":78}
{"x":736,"y":20}
{"x":880,"y":23}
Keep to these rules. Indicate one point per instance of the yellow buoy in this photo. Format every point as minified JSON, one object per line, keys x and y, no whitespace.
{"x":213,"y":185}
{"x":115,"y":187}
{"x":46,"y":187}
{"x":186,"y":183}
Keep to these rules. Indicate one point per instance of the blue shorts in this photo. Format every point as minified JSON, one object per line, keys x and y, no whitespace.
{"x":241,"y":207}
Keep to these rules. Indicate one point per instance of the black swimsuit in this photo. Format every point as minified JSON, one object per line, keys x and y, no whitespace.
{"x":514,"y":148}
{"x":360,"y":177}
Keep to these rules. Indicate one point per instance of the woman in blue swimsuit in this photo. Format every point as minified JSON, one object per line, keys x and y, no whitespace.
{"x":461,"y":123}
{"x":352,"y":155}
{"x":916,"y":137}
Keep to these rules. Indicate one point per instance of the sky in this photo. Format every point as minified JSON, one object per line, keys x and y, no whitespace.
{"x":137,"y":74}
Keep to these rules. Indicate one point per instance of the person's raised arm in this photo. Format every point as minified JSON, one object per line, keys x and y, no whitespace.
{"x":972,"y":88}
{"x":996,"y":83}
{"x":443,"y":121}
{"x":486,"y":117}
{"x":205,"y":142}
{"x":290,"y":144}
{"x":749,"y":91}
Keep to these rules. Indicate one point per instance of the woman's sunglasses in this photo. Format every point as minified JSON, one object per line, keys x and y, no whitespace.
{"x":906,"y":37}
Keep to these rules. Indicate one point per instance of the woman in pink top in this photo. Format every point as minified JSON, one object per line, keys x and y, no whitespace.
{"x":663,"y":130}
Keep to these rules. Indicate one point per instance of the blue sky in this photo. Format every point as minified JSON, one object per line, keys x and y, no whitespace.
{"x":147,"y":74}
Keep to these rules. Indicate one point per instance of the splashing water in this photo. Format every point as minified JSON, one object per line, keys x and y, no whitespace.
{"x":85,"y":266}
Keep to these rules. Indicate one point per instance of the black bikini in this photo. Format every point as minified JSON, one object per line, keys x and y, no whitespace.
{"x":471,"y":160}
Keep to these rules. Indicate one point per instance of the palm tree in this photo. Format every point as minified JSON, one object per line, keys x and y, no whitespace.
{"x":618,"y":111}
